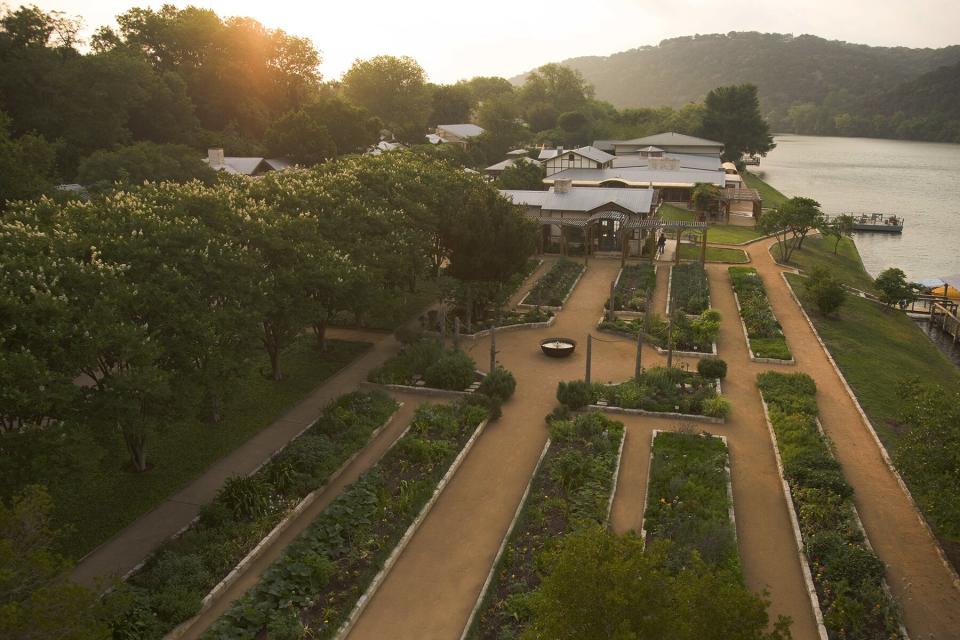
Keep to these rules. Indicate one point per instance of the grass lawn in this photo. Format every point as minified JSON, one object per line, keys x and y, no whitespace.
{"x":846,"y":265}
{"x":101,"y":497}
{"x":771,"y":197}
{"x":731,"y":234}
{"x":877,"y":348}
{"x":714,"y":254}
{"x":673,"y":212}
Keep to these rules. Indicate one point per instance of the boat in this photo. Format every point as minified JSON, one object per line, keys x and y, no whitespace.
{"x":877,"y":222}
{"x":753,"y":160}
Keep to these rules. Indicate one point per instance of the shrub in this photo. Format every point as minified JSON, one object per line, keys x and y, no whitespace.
{"x":575,"y":394}
{"x":499,"y":383}
{"x":712,"y":367}
{"x":824,"y":290}
{"x":716,"y":407}
{"x":247,"y":497}
{"x":452,"y":370}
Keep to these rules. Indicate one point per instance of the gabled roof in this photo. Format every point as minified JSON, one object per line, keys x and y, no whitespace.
{"x":509,"y":162}
{"x":462,"y":130}
{"x":583,"y":199}
{"x":589,"y":152}
{"x":672,"y":138}
{"x":641,"y":176}
{"x":546,"y":154}
{"x":687,"y":161}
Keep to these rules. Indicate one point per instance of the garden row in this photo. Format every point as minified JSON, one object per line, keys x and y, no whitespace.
{"x":571,"y":488}
{"x":695,"y":336}
{"x":764,"y":334}
{"x":689,"y":289}
{"x":633,"y":290}
{"x":170,"y":588}
{"x":554,"y":287}
{"x":322,"y":575}
{"x":847,"y":574}
{"x":656,"y":390}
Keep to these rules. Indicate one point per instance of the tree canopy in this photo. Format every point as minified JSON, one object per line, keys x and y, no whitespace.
{"x":732,"y":116}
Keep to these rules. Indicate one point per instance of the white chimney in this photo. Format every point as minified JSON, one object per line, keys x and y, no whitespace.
{"x":562,"y":185}
{"x":215,"y":157}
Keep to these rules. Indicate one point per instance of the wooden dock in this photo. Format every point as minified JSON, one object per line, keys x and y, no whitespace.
{"x":945,"y":319}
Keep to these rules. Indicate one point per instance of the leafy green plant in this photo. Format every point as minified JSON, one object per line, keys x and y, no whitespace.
{"x":763,"y":329}
{"x":576,"y":394}
{"x":452,"y":370}
{"x":499,"y":383}
{"x":689,"y":288}
{"x":712,"y":367}
{"x":551,"y":289}
{"x":635,"y":284}
{"x":247,"y":497}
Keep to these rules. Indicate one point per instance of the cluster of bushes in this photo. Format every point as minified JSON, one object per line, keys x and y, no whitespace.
{"x":571,"y":490}
{"x":689,"y":334}
{"x":636,"y":284}
{"x":658,"y":389}
{"x":687,"y":500}
{"x":516,"y":316}
{"x":554,"y":286}
{"x":323,"y":573}
{"x":689,"y":288}
{"x":847,"y":574}
{"x":440,"y":368}
{"x":763,"y":329}
{"x":171,"y":586}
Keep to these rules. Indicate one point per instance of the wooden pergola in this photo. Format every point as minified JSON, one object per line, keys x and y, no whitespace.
{"x":729,"y":196}
{"x":679,"y":226}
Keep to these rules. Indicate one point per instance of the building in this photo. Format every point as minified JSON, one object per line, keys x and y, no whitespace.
{"x":669,"y":142}
{"x":556,"y":160}
{"x":244,"y":166}
{"x":575,"y":218}
{"x":495,"y":170}
{"x":461,"y":134}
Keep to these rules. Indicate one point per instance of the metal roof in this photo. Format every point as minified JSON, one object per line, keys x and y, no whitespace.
{"x":462,"y":130}
{"x":584,"y":198}
{"x":594,"y":154}
{"x":672,"y":138}
{"x":687,"y":161}
{"x":641,"y":176}
{"x":509,"y":162}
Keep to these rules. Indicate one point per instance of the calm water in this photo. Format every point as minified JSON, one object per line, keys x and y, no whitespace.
{"x":917,"y":180}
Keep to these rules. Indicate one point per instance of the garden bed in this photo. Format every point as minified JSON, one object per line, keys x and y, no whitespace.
{"x":175,"y":584}
{"x":691,"y":337}
{"x":761,"y":329}
{"x":848,"y":577}
{"x":327,"y":570}
{"x":535,"y":318}
{"x":688,"y":288}
{"x":633,"y":289}
{"x":689,"y":499}
{"x":570,"y":488}
{"x":426,"y":363}
{"x":554,"y":287}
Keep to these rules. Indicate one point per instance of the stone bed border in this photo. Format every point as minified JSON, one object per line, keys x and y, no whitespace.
{"x":655,"y":414}
{"x":660,"y":350}
{"x":626,"y":313}
{"x":670,"y":290}
{"x":388,"y":564}
{"x":530,"y":307}
{"x":279,"y":528}
{"x":876,"y":438}
{"x":507,"y":327}
{"x":746,"y":335}
{"x":646,"y":489}
{"x":516,"y":516}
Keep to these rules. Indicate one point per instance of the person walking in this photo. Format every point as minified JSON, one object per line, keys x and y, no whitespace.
{"x":661,"y":243}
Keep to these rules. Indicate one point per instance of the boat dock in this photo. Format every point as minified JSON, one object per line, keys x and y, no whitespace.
{"x":874,"y":222}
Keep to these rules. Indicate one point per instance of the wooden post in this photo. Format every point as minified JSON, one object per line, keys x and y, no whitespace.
{"x":626,"y":243}
{"x":676,"y":253}
{"x":456,"y":332}
{"x":563,"y":241}
{"x":613,"y":297}
{"x":638,"y":365}
{"x":586,"y":375}
{"x":587,"y":245}
{"x":703,"y":247}
{"x":493,"y":348}
{"x":670,"y":342}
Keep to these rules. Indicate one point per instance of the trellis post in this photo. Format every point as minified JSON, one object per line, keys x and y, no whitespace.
{"x":703,"y":247}
{"x":586,"y":376}
{"x":670,"y":342}
{"x":676,"y":252}
{"x":610,"y":316}
{"x":638,"y":365}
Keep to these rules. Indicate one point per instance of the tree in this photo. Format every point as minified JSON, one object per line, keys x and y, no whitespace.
{"x":452,"y":103}
{"x":894,"y":288}
{"x":557,"y":85}
{"x":840,"y":227}
{"x":141,"y":162}
{"x":603,"y":586}
{"x":704,"y":197}
{"x":732,"y":116}
{"x":393,"y":89}
{"x":797,"y":216}
{"x":523,"y":174}
{"x":351,"y":128}
{"x":824,"y":290}
{"x":26,"y":164}
{"x":301,"y":138}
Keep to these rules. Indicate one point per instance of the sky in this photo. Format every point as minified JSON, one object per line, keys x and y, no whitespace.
{"x":457,"y":40}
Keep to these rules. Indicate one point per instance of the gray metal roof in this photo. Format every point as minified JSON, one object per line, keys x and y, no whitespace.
{"x":546,"y":154}
{"x":583,"y":199}
{"x":462,"y":130}
{"x":641,"y":176}
{"x":594,"y":154}
{"x":687,"y":161}
{"x":241,"y":165}
{"x":509,"y":162}
{"x":672,"y":138}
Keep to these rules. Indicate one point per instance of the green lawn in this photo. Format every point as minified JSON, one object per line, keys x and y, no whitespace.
{"x":877,"y":348}
{"x":673,"y":212}
{"x":99,"y":496}
{"x":731,"y":234}
{"x":845,"y":265}
{"x":714,"y":254}
{"x":771,"y":197}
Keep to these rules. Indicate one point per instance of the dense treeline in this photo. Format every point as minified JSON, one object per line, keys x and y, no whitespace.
{"x":808,"y":84}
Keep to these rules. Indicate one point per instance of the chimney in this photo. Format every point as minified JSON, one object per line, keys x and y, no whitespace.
{"x":562,"y":185}
{"x":215,"y":157}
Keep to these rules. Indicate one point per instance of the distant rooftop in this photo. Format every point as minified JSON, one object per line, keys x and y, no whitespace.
{"x":583,"y":198}
{"x":672,"y":138}
{"x":462,"y":130}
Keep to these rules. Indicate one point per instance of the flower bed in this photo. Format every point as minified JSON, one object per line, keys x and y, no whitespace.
{"x":171,"y":586}
{"x":514,"y":318}
{"x":571,"y":488}
{"x":764,"y":333}
{"x":690,"y":335}
{"x":689,"y":288}
{"x":848,"y":576}
{"x":635,"y":283}
{"x":688,"y":501}
{"x":554,"y":287}
{"x":323,"y":573}
{"x":427,"y":361}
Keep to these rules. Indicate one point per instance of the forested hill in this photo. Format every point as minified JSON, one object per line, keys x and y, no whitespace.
{"x":789,"y":71}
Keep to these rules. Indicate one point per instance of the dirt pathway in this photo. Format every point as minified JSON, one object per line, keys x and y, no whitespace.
{"x":917,"y":577}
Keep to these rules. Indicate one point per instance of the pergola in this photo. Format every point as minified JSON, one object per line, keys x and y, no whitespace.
{"x":729,"y":196}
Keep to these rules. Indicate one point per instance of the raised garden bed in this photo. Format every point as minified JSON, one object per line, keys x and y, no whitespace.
{"x":848,"y":576}
{"x":760,"y":326}
{"x":173,"y":585}
{"x":426,"y":363}
{"x":570,"y":488}
{"x":689,"y":500}
{"x":555,"y":286}
{"x":691,"y":336}
{"x":633,"y":285}
{"x":323,"y":573}
{"x":688,"y":289}
{"x":534,"y":318}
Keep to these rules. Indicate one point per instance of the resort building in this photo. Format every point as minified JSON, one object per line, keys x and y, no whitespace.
{"x":495,"y":170}
{"x":461,"y":134}
{"x":244,"y":166}
{"x":669,"y":142}
{"x":557,"y":160}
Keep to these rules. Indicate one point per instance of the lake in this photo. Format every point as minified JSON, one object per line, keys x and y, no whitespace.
{"x":917,"y":180}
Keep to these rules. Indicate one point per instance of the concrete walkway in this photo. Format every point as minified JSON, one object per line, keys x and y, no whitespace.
{"x":134,"y":544}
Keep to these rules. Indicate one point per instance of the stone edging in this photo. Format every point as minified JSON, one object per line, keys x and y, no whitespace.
{"x":656,"y":414}
{"x":405,"y":540}
{"x":746,"y":336}
{"x":503,"y":543}
{"x":883,"y":450}
{"x":507,"y":327}
{"x":795,"y":525}
{"x":670,"y":290}
{"x":616,"y":475}
{"x":523,"y":305}
{"x":279,"y":528}
{"x":423,"y":391}
{"x":626,"y":313}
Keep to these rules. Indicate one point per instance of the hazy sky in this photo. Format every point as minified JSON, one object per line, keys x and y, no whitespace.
{"x":454,"y":40}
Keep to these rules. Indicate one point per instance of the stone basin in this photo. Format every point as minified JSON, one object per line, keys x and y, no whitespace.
{"x":558,"y":347}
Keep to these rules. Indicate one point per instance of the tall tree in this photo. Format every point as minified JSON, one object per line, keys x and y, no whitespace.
{"x":141,"y":162}
{"x":393,"y":89}
{"x":732,"y":116}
